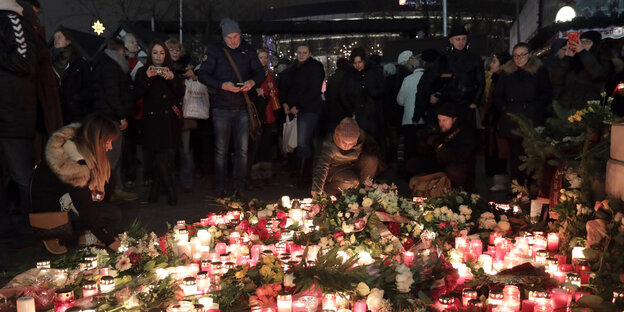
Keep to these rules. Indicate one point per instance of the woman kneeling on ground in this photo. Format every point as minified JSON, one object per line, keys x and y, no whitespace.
{"x":67,"y":187}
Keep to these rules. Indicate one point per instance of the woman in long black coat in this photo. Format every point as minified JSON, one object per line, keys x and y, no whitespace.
{"x":523,"y":89}
{"x":162,"y":93}
{"x":73,"y":76}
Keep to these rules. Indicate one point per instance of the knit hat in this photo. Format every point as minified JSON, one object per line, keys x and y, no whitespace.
{"x":404,"y":57}
{"x":430,"y":55}
{"x":457,"y":30}
{"x":592,"y":35}
{"x":446,"y":109}
{"x":347,"y":132}
{"x":229,"y":26}
{"x":389,"y":69}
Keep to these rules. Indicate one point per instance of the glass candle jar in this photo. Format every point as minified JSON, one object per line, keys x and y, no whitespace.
{"x":64,"y":299}
{"x":43,"y":264}
{"x":496,"y":297}
{"x":89,"y":289}
{"x":189,"y":286}
{"x":467,"y":295}
{"x":107,"y":284}
{"x":93,"y":259}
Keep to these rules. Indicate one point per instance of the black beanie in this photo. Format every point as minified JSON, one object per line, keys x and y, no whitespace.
{"x":592,"y":35}
{"x":447,"y":109}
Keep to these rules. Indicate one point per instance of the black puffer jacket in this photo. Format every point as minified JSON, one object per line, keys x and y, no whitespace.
{"x":333,"y":156}
{"x":303,"y":86}
{"x":217,"y":69}
{"x":363,"y":95}
{"x":65,"y":171}
{"x":18,"y":104}
{"x":525,"y":91}
{"x":75,"y":89}
{"x":160,"y":125}
{"x":581,"y":78}
{"x":111,"y":86}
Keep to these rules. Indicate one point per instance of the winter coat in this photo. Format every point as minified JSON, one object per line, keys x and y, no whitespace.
{"x":18,"y":56}
{"x":64,"y":171}
{"x":362,"y":94}
{"x":581,"y":78}
{"x":217,"y":69}
{"x":458,"y":76}
{"x":332,"y":156}
{"x":160,"y":123}
{"x":303,"y":86}
{"x":112,"y":94}
{"x":456,"y":146}
{"x":525,"y":91}
{"x":334,"y":111}
{"x":407,"y":97}
{"x":394,"y":111}
{"x":75,"y":89}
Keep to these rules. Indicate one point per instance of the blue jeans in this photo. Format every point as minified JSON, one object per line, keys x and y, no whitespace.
{"x":187,"y":166}
{"x":230,"y":124}
{"x":306,"y":124}
{"x":18,"y":155}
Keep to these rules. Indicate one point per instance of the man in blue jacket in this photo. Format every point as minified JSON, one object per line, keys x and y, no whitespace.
{"x":230,"y":117}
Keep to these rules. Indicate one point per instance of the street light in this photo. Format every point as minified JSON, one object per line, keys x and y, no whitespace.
{"x":565,"y":14}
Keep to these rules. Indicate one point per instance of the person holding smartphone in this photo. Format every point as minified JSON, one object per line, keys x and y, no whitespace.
{"x":582,"y":73}
{"x":162,"y":93}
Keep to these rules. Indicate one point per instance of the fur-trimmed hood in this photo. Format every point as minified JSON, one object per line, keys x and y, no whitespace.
{"x":62,"y":156}
{"x":532,"y":66}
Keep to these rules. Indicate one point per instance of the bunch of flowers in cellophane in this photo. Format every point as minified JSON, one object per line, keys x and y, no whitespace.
{"x":444,"y":217}
{"x":371,"y":216}
{"x":37,"y":283}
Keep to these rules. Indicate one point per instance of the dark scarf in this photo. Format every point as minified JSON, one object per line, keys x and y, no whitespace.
{"x":61,"y":60}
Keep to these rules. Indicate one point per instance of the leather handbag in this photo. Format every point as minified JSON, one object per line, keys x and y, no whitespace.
{"x":48,"y":225}
{"x":431,"y":185}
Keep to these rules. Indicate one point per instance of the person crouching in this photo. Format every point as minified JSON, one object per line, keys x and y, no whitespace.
{"x":348,"y":157}
{"x":450,"y":149}
{"x":68,"y":185}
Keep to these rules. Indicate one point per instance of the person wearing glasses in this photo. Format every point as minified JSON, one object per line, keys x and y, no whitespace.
{"x":522,"y":89}
{"x":582,"y":73}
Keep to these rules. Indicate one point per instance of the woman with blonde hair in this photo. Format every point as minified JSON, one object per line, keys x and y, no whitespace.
{"x":69,"y":185}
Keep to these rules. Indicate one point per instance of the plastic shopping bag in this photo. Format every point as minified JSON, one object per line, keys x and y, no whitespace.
{"x":289,"y":134}
{"x":196,"y":103}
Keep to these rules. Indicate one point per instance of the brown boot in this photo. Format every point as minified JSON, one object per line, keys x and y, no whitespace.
{"x":54,"y":246}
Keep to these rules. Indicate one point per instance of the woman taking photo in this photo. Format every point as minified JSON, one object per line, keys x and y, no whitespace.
{"x":73,"y":77}
{"x":69,"y":184}
{"x":162,"y":93}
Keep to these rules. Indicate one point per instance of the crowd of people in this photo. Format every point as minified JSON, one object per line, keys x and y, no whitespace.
{"x":82,"y":124}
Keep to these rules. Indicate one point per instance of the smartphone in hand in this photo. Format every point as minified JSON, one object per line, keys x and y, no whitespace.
{"x":573,"y":38}
{"x":240,"y":84}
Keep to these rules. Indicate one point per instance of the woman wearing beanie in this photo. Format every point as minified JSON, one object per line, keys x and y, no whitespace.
{"x":69,"y":185}
{"x":582,"y":73}
{"x":73,"y":76}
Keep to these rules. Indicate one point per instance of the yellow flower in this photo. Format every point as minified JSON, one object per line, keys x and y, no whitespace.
{"x":242,"y":273}
{"x":265,"y":271}
{"x":268,"y":259}
{"x":428,"y":217}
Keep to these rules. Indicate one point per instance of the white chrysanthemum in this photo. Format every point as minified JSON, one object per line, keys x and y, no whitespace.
{"x":404,"y":278}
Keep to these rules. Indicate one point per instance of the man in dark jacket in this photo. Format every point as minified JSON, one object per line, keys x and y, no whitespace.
{"x":112,"y":96}
{"x":230,"y":117}
{"x":334,"y":112}
{"x":18,"y":114}
{"x":451,"y":148}
{"x":303,"y":98}
{"x":348,"y":158}
{"x":456,"y":77}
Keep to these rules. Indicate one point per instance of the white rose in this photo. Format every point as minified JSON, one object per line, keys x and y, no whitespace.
{"x":347,"y":215}
{"x":489,"y":224}
{"x":462,"y":219}
{"x":362,"y":289}
{"x":340,"y":214}
{"x":252,"y":220}
{"x":289,"y":280}
{"x":347,"y":228}
{"x":374,"y":301}
{"x":367,"y":202}
{"x":270,"y":207}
